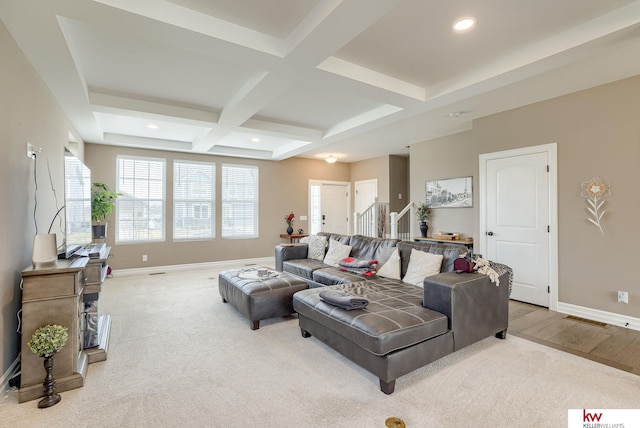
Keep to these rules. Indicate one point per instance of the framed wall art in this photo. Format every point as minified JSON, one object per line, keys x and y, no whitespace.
{"x":450,"y":193}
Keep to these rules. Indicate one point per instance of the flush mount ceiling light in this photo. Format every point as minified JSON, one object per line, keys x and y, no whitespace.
{"x":255,"y":140}
{"x":152,"y":126}
{"x":464,"y":24}
{"x":330,"y":159}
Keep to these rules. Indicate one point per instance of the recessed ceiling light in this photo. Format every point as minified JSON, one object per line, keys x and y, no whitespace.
{"x":152,"y":126}
{"x":464,"y":24}
{"x":255,"y":140}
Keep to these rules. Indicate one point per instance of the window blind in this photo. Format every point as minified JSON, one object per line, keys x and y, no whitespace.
{"x":140,"y":209}
{"x":239,"y":201}
{"x":193,"y":200}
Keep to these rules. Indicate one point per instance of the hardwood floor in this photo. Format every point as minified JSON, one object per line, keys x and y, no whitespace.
{"x":607,"y":344}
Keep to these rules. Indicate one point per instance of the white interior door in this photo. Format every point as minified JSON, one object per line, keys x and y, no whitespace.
{"x":517,"y":211}
{"x":335,"y":208}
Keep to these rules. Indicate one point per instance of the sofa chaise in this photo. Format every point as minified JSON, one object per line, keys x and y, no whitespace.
{"x":404,"y":326}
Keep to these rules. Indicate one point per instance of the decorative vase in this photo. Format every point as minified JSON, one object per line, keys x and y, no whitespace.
{"x":289,"y":230}
{"x":50,"y":396}
{"x":424,"y":227}
{"x":99,"y":231}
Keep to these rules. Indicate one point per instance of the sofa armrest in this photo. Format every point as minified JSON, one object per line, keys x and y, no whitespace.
{"x":290,"y":252}
{"x":475,"y":306}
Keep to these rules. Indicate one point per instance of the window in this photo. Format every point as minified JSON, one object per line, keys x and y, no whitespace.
{"x":140,"y":209}
{"x":315,"y":196}
{"x":239,"y":201}
{"x":193,"y":200}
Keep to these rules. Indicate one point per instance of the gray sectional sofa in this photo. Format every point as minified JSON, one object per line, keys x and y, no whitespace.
{"x":404,"y":327}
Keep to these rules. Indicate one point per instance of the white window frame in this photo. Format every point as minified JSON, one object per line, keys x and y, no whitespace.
{"x":129,"y":197}
{"x":227,"y":199}
{"x":195,"y":201}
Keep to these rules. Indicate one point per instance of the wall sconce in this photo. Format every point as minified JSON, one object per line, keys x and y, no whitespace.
{"x":330,"y":159}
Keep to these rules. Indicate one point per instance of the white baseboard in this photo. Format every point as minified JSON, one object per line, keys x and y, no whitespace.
{"x":598,"y":315}
{"x":262,"y":261}
{"x":11,"y":371}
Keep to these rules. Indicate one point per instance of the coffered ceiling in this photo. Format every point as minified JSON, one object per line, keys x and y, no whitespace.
{"x":280,"y":78}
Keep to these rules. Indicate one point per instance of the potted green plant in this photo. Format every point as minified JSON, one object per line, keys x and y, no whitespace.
{"x":423,"y":212}
{"x":103,"y":201}
{"x":45,"y":342}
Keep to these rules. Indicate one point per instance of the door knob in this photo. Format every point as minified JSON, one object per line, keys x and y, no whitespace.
{"x":490,"y":233}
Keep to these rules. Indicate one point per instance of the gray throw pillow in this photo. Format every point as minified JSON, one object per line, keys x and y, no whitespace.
{"x":317,"y":246}
{"x":384,"y":253}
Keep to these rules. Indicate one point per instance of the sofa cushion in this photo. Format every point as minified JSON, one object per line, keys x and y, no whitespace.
{"x":303,"y":268}
{"x":390,"y":268}
{"x":336,"y":252}
{"x":332,"y":276}
{"x":394,"y":318}
{"x":368,"y":248}
{"x":422,"y":265}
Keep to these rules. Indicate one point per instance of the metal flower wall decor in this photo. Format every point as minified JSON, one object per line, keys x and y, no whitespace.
{"x":595,"y":190}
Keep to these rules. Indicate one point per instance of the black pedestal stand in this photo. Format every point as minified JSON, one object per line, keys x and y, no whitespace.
{"x":50,"y":397}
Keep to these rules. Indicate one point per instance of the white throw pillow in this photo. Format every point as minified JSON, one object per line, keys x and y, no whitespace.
{"x":337,"y":252}
{"x":391,"y":268}
{"x":317,"y":246}
{"x":422,"y":265}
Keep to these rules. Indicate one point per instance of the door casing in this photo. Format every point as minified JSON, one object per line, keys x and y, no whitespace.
{"x":551,"y":150}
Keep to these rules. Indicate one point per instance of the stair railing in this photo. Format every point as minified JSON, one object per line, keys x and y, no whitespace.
{"x":373,"y":221}
{"x":401,"y":224}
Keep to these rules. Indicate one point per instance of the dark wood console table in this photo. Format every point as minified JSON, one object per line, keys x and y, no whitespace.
{"x":467,"y":242}
{"x":294,"y":237}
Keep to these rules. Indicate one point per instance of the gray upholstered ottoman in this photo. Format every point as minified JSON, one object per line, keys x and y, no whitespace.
{"x":259,"y":298}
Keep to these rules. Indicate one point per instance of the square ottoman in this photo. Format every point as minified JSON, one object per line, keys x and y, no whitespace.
{"x":259,"y":298}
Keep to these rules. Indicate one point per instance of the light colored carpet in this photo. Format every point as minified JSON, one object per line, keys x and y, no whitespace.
{"x":178,"y":356}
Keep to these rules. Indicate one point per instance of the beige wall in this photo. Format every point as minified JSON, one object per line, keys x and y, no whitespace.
{"x":446,"y":157}
{"x":398,"y":183}
{"x":28,"y":113}
{"x":283,"y":186}
{"x":597,"y":134}
{"x":392,"y":175}
{"x":377,"y":168}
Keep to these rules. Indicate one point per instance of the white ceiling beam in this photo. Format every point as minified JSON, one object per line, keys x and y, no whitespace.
{"x":145,"y":142}
{"x":281,"y":130}
{"x":240,"y":153}
{"x":371,"y":77}
{"x":109,"y":103}
{"x":364,"y":118}
{"x":330,"y":26}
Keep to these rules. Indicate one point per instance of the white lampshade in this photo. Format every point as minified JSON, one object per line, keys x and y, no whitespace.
{"x":44,"y":250}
